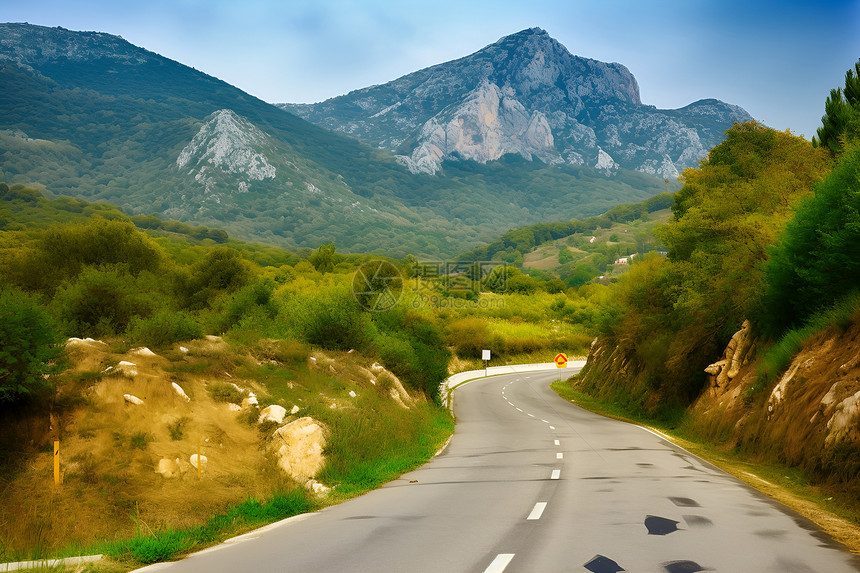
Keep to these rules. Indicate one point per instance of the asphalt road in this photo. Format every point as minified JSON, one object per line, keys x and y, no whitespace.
{"x":531,"y":483}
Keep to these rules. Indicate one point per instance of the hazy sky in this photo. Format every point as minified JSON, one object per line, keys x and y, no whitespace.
{"x":777,"y":59}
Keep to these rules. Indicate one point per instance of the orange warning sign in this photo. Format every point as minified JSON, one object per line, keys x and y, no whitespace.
{"x":561,"y":360}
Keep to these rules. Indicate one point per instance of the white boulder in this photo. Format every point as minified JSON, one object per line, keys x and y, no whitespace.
{"x":180,"y":392}
{"x":202,"y":460}
{"x":273,"y":413}
{"x":299,"y":446}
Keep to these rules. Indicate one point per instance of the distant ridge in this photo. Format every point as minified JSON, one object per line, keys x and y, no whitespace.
{"x":528,"y":95}
{"x":89,"y":115}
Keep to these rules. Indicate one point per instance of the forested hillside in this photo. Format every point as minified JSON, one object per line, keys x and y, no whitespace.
{"x":749,"y":316}
{"x":91,"y":116}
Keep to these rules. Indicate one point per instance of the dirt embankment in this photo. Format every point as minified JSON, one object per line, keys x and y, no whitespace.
{"x":809,"y":418}
{"x":154,"y":441}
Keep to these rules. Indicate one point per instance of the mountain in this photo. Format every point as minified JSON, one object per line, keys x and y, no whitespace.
{"x":527,"y":95}
{"x":89,"y":115}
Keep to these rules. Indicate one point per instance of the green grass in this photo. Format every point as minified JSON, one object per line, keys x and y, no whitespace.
{"x":173,"y":543}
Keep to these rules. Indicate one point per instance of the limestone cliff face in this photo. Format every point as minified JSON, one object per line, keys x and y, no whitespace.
{"x":228,"y":142}
{"x":226,"y":145}
{"x":490,"y":123}
{"x":526,"y":94}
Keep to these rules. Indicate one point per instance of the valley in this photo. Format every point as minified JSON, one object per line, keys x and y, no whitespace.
{"x":217,"y":313}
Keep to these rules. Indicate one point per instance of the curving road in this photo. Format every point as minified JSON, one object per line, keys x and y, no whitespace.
{"x":532,"y":483}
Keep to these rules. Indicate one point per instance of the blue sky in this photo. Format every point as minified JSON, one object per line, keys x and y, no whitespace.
{"x":777,"y":59}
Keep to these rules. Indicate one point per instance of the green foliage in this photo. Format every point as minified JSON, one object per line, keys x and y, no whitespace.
{"x":564,"y":255}
{"x":324,"y":259}
{"x":223,"y":392}
{"x":176,"y":428}
{"x":251,"y":305}
{"x":412,"y":346}
{"x":776,"y":359}
{"x":469,"y":336}
{"x":841,"y":120}
{"x":514,"y":244}
{"x":103,"y":300}
{"x":675,"y":316}
{"x":163,"y":328}
{"x":138,"y":441}
{"x":63,"y":251}
{"x":28,"y":344}
{"x":330,"y":318}
{"x":817,"y":258}
{"x":222,"y":270}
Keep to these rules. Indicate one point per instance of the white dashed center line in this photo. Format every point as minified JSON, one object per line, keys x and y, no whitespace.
{"x":499,"y":563}
{"x":557,"y":443}
{"x":555,"y":474}
{"x":552,"y":427}
{"x":559,"y":456}
{"x":538,"y":510}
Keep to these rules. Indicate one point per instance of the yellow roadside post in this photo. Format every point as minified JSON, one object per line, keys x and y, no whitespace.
{"x":57,"y":462}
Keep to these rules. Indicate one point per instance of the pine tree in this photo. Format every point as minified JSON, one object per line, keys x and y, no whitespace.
{"x":841,"y":119}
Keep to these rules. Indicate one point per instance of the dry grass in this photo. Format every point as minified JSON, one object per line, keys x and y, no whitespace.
{"x":110,"y":449}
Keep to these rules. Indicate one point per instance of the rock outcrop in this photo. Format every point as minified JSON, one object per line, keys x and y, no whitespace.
{"x":737,"y":353}
{"x":298,"y":447}
{"x":231,"y":144}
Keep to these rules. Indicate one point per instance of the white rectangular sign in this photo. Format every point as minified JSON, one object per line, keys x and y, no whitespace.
{"x":485,"y":355}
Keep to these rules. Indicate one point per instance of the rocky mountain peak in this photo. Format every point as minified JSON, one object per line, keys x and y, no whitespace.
{"x":526,"y":94}
{"x":229,"y":143}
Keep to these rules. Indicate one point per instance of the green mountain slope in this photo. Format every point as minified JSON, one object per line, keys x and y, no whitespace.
{"x":89,"y":115}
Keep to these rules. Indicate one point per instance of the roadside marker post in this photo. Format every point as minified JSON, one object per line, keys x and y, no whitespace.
{"x":485,"y":356}
{"x":56,"y":462}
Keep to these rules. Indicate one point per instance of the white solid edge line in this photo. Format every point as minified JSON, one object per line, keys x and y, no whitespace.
{"x":555,"y":474}
{"x":499,"y":564}
{"x":537,"y":511}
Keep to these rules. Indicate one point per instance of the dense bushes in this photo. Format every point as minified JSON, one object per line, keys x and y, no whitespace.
{"x":28,"y":342}
{"x":817,"y":259}
{"x":675,"y":316}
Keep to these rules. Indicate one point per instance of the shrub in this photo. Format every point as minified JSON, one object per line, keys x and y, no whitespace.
{"x":28,"y":344}
{"x":331,"y":318}
{"x":817,"y":259}
{"x":224,"y":392}
{"x":163,"y":328}
{"x":468,"y":336}
{"x":253,"y":300}
{"x":102,"y":301}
